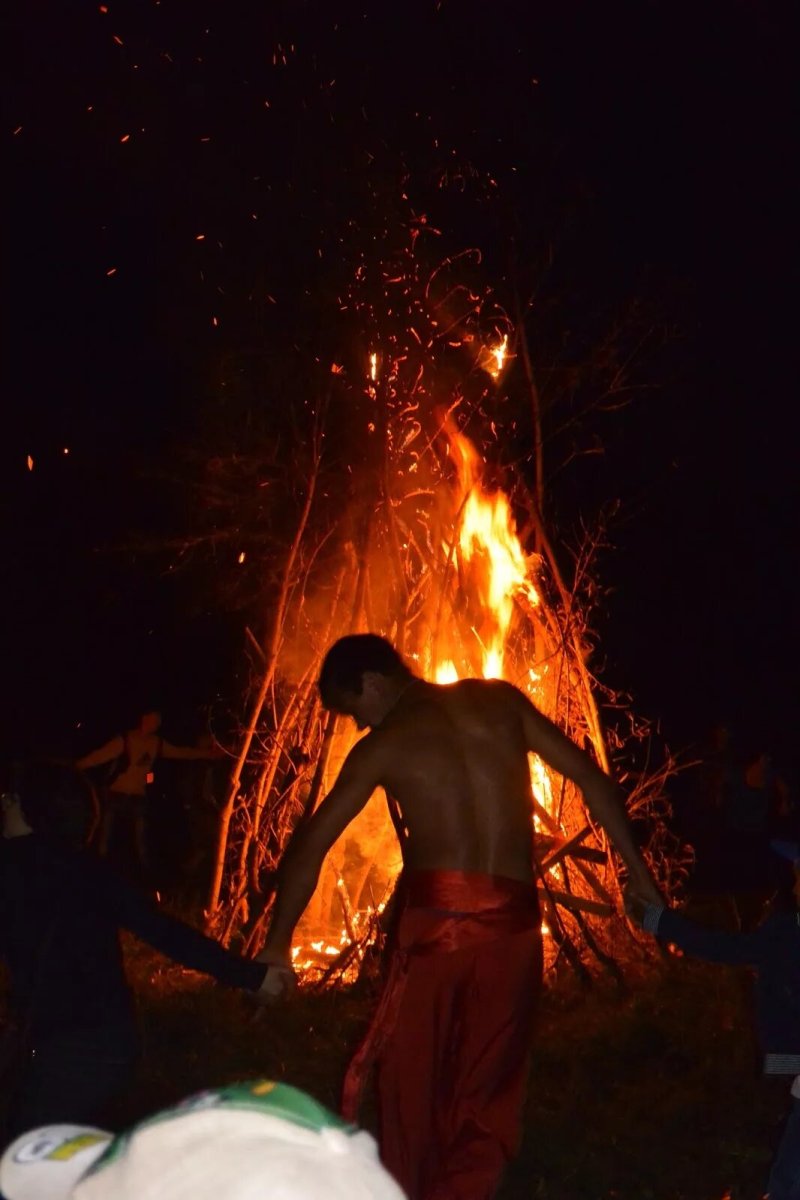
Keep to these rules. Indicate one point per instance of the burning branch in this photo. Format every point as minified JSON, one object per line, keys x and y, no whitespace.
{"x":271,"y":660}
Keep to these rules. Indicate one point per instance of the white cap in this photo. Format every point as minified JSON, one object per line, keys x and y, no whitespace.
{"x":252,"y":1141}
{"x":46,"y":1163}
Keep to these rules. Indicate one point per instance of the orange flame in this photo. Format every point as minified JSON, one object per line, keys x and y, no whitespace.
{"x":488,"y":539}
{"x":493,"y":358}
{"x":497,"y":573}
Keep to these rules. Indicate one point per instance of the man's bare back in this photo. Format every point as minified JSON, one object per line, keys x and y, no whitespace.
{"x":454,"y":763}
{"x":453,"y":760}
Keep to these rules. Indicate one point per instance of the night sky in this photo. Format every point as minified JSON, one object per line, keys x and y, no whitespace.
{"x":174,"y":176}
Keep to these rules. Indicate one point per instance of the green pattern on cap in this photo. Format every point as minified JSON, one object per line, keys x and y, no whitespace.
{"x":257,"y":1095}
{"x":274,"y":1100}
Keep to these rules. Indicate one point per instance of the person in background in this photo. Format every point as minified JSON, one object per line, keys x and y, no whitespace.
{"x":61,"y":912}
{"x":245,"y":1140}
{"x":773,"y":950}
{"x":124,"y":795}
{"x":753,"y":804}
{"x":451,"y":1035}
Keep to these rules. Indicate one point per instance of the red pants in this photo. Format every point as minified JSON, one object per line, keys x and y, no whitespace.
{"x":452,"y":1033}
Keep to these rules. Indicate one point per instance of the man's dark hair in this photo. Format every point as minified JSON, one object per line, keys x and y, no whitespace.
{"x":142,"y":709}
{"x":53,"y":799}
{"x":345,"y":663}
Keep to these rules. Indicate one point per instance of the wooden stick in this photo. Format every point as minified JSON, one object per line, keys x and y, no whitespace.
{"x":577,"y":903}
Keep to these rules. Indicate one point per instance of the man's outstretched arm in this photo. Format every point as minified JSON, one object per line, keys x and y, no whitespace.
{"x":188,"y":753}
{"x":601,"y":794}
{"x":104,"y":754}
{"x":170,"y":936}
{"x":299,"y":870}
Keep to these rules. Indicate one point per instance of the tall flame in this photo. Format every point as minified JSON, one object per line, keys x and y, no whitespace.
{"x":488,"y":541}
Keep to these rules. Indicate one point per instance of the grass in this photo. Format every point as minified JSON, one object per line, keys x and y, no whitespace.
{"x":650,"y":1092}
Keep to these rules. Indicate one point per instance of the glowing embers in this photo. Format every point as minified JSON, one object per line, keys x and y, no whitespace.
{"x":340,"y":958}
{"x":494,"y":357}
{"x":373,"y":372}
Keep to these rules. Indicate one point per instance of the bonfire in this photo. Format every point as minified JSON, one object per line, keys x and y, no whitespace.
{"x":407,"y":528}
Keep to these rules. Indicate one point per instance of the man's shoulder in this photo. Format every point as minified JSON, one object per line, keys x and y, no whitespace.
{"x":499,"y":693}
{"x":483,"y":687}
{"x":369,"y":744}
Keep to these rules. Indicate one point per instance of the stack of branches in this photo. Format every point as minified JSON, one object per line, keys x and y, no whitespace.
{"x":377,"y":545}
{"x":396,"y":566}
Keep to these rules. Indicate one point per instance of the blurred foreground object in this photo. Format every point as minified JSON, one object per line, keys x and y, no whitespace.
{"x":248,"y":1141}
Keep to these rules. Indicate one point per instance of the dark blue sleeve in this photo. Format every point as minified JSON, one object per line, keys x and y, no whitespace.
{"x":715,"y":945}
{"x":174,"y":938}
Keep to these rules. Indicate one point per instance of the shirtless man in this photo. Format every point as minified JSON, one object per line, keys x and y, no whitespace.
{"x":452,"y":1031}
{"x":137,"y":751}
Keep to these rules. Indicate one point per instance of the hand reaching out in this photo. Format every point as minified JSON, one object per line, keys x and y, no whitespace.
{"x":635,"y":903}
{"x":280,"y":982}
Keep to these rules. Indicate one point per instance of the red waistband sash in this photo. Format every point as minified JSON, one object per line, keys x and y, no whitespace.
{"x":452,"y":910}
{"x":441,"y":911}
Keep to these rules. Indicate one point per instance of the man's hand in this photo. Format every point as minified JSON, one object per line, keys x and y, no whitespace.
{"x":279,"y":984}
{"x":641,"y":884}
{"x":635,"y":903}
{"x":280,"y":981}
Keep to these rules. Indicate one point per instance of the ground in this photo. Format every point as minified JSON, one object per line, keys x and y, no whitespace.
{"x":646,"y":1093}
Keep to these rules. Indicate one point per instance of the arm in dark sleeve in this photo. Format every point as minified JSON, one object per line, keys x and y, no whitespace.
{"x":175,"y":938}
{"x":714,"y":945}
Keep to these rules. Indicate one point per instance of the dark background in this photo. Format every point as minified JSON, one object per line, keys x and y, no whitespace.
{"x":649,"y":143}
